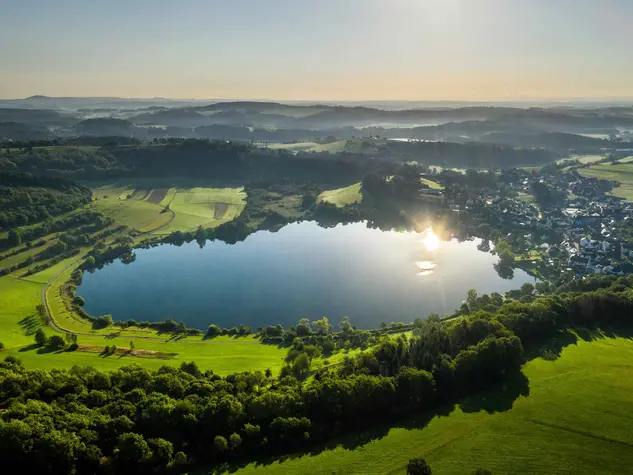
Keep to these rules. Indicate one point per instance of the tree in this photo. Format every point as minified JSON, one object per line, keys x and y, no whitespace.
{"x":131,"y":450}
{"x":14,"y":237}
{"x":418,"y":466}
{"x":56,"y":342}
{"x":268,"y":373}
{"x":345,"y":325}
{"x":40,"y":337}
{"x":162,"y":452}
{"x":1,"y":346}
{"x":221,"y":443}
{"x":303,"y":327}
{"x":60,"y":247}
{"x":235,"y":441}
{"x":471,"y":299}
{"x":543,"y":287}
{"x":527,"y":289}
{"x":213,"y":331}
{"x":322,"y":326}
{"x":132,"y":346}
{"x":301,"y":365}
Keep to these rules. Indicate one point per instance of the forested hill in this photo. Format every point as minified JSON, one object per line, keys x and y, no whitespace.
{"x":27,"y":199}
{"x":220,"y":159}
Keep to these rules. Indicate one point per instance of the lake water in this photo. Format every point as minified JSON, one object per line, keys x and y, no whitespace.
{"x":300,"y":271}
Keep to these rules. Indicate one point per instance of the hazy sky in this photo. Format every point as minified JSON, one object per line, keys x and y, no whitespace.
{"x":318,"y":49}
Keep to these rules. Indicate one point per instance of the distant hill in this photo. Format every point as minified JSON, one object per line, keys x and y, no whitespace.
{"x":105,"y":127}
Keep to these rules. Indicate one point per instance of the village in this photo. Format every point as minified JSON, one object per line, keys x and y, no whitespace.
{"x":558,"y":224}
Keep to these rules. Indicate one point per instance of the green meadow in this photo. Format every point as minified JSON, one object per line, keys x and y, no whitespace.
{"x":573,"y":415}
{"x":164,"y":210}
{"x":343,"y":196}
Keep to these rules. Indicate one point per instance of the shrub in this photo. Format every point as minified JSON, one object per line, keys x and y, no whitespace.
{"x":103,"y":322}
{"x":213,"y":331}
{"x":1,"y":346}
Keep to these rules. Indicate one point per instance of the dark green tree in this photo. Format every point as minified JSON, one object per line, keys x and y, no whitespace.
{"x":14,"y":237}
{"x":40,"y":337}
{"x":418,"y":466}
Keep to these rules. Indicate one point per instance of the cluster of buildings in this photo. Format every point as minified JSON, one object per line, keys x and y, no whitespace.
{"x":587,"y":234}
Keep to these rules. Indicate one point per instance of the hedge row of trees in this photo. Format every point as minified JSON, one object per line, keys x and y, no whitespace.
{"x":26,"y":199}
{"x":134,"y":420}
{"x":17,"y":236}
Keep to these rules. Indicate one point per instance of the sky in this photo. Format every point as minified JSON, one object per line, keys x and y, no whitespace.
{"x":318,"y":49}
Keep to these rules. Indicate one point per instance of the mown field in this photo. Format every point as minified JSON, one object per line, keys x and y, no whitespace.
{"x":622,"y":173}
{"x":164,"y":210}
{"x":575,"y":416}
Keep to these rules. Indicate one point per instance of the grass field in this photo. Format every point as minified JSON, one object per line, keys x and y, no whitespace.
{"x":336,"y":146}
{"x":167,"y":209}
{"x":583,"y":159}
{"x":343,"y":196}
{"x":206,"y":207}
{"x":623,"y":174}
{"x":577,"y":419}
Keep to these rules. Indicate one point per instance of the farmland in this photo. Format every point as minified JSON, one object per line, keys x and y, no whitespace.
{"x":622,"y":173}
{"x":574,"y":414}
{"x":164,"y":210}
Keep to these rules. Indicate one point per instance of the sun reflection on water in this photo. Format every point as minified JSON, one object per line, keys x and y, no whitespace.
{"x":426,"y":267}
{"x":430,"y":240}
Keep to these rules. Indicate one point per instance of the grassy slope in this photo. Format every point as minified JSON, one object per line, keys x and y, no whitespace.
{"x":197,"y":207}
{"x":577,"y":419}
{"x":134,"y":213}
{"x":620,"y":173}
{"x":188,"y":207}
{"x":431,"y":184}
{"x":343,"y":196}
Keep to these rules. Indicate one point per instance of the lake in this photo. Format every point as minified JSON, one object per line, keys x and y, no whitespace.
{"x":300,"y":271}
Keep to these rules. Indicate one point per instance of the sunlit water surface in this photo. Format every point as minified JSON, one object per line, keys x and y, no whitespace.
{"x":302,"y":270}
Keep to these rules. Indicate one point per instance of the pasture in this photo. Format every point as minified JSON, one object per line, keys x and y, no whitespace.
{"x":571,"y":415}
{"x":622,"y":173}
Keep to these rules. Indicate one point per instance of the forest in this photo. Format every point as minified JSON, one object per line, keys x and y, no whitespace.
{"x":221,"y":159}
